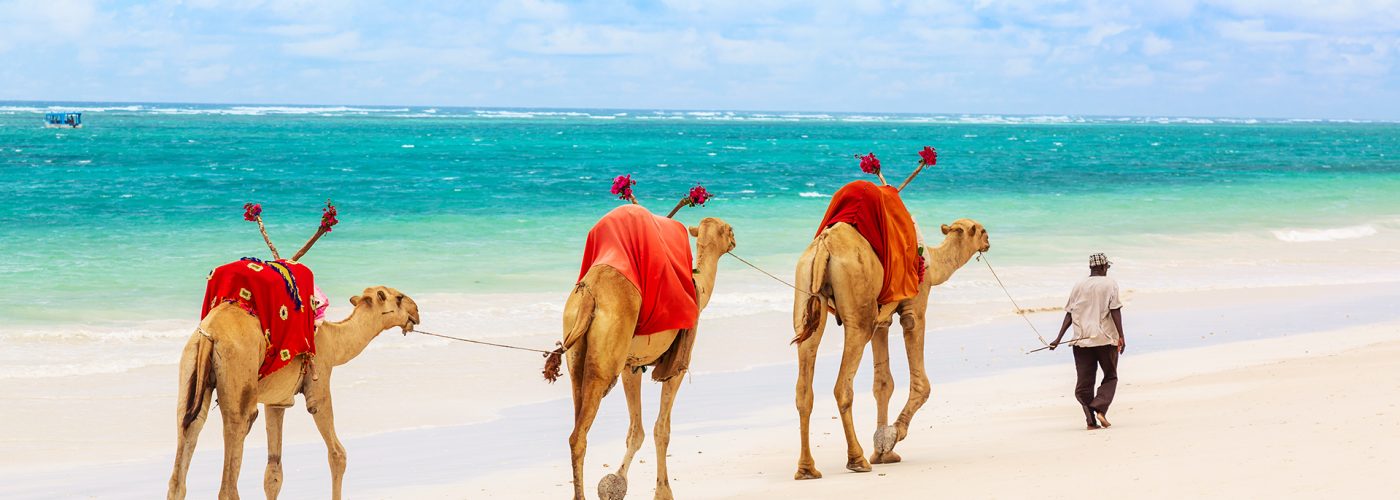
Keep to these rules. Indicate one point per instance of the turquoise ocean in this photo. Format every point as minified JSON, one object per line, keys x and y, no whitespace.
{"x":117,"y":223}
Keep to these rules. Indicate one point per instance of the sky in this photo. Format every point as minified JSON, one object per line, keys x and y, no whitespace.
{"x":1212,"y":58}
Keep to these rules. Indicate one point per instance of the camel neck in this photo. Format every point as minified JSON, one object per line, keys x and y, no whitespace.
{"x":947,"y":258}
{"x":341,"y":341}
{"x":707,"y":267}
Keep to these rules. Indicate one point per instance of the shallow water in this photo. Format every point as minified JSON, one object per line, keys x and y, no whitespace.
{"x":110,"y":229}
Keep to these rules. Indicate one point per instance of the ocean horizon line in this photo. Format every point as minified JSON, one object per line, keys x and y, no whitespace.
{"x":811,"y":114}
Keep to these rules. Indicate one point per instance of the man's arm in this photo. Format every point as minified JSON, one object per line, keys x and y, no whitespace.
{"x":1063,"y":327}
{"x":1118,"y":322}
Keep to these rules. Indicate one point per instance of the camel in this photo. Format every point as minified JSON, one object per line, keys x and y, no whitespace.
{"x":224,"y":354}
{"x":599,"y":319}
{"x":839,"y":270}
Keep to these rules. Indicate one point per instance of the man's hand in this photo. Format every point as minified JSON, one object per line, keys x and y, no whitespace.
{"x":1064,"y":326}
{"x":1122,"y":344}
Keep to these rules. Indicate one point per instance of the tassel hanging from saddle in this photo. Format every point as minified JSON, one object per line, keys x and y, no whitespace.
{"x":552,"y":362}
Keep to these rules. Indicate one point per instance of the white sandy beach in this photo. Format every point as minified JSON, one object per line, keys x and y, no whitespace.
{"x":1218,"y":389}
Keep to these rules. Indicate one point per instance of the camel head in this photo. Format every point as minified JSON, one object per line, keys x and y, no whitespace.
{"x":713,"y":236}
{"x":390,"y":305}
{"x":970,"y":233}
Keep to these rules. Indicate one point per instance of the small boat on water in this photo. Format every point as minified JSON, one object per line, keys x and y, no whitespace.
{"x":63,"y":120}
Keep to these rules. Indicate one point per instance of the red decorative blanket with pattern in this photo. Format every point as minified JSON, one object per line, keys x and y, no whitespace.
{"x":653,"y":252}
{"x":279,"y":294}
{"x":879,"y":215}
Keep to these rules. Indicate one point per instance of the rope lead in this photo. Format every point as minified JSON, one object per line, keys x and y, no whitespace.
{"x":484,"y":343}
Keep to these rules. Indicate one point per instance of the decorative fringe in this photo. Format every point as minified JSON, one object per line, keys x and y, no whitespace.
{"x":552,"y":362}
{"x":676,"y":359}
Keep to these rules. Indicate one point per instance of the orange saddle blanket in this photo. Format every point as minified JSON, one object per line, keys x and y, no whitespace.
{"x":279,"y":294}
{"x":879,"y":215}
{"x":653,"y":252}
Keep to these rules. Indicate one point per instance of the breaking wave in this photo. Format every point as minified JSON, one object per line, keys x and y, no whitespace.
{"x":1327,"y":234}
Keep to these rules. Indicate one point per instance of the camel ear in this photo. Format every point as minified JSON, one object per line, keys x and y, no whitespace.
{"x":694,"y":231}
{"x":355,"y":301}
{"x":946,"y":229}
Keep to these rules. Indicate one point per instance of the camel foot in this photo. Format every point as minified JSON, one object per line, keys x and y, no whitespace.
{"x":807,"y":472}
{"x":663,"y":492}
{"x":885,"y":438}
{"x":889,"y":457}
{"x":858,"y":464}
{"x":612,"y":487}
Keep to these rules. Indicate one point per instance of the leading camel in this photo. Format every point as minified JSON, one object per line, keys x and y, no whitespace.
{"x":839,"y":270}
{"x":224,"y":355}
{"x":600,"y":317}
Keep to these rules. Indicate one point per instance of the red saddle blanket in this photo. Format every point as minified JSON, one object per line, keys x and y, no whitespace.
{"x":279,"y":294}
{"x":879,"y":215}
{"x":653,"y":252}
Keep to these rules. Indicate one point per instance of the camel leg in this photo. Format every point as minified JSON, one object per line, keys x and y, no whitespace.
{"x":858,"y":333}
{"x":883,"y":390}
{"x":806,"y":368}
{"x":591,"y":394}
{"x":239,"y":411}
{"x":187,"y":437}
{"x":272,"y":477}
{"x":235,"y":382}
{"x":911,"y":317}
{"x":615,"y":485}
{"x":318,"y":403}
{"x":575,"y":368}
{"x":601,"y":363}
{"x":662,"y":435}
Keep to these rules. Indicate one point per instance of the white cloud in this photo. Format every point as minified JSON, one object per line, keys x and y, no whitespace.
{"x":1255,"y":31}
{"x":1343,"y":16}
{"x":876,"y":55}
{"x":1097,"y":34}
{"x":331,"y":47}
{"x":300,"y":30}
{"x":586,"y":40}
{"x":1136,"y":75}
{"x":46,"y":22}
{"x":205,"y":75}
{"x":1017,"y":67}
{"x":1154,"y":45}
{"x":536,"y":10}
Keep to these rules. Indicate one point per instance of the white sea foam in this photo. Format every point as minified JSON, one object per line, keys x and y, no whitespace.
{"x":813,"y":194}
{"x":156,"y":330}
{"x":12,"y":371}
{"x":1328,"y":234}
{"x":272,"y":110}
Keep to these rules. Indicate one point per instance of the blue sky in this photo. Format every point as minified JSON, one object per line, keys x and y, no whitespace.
{"x":1263,"y":58}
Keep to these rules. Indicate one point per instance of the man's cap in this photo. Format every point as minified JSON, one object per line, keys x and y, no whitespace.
{"x":1099,"y":259}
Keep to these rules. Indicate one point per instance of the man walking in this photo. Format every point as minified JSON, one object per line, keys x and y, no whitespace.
{"x":1096,"y":314}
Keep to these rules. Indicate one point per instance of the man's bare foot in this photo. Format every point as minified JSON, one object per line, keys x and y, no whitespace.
{"x":1091,"y":427}
{"x":1103,"y":420}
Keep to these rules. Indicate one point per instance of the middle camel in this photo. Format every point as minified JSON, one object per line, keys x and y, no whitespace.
{"x":841,"y":272}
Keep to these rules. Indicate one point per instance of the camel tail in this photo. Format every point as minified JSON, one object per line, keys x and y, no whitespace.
{"x":578,"y":317}
{"x":201,"y":380}
{"x":811,"y":276}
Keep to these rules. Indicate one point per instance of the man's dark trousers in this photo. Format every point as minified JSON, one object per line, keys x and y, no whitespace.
{"x":1086,"y":359}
